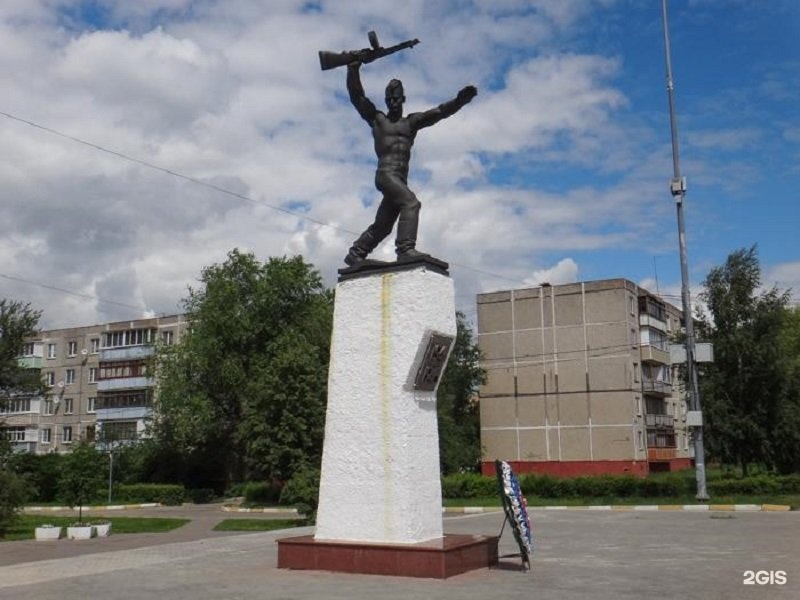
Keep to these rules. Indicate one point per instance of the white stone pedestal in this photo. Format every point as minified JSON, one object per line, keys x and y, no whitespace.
{"x":380,"y":466}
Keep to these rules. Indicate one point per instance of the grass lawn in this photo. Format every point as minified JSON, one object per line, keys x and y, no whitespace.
{"x":258,"y":524}
{"x":791,"y":500}
{"x":23,"y":528}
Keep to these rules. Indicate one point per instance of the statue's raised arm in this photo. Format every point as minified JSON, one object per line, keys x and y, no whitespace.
{"x":445,"y":109}
{"x":363,"y":105}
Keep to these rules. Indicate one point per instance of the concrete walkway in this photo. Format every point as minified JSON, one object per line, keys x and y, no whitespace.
{"x":203,"y":519}
{"x":602,"y":555}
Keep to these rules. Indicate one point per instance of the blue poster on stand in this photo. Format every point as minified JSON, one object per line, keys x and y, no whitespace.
{"x":516,"y":509}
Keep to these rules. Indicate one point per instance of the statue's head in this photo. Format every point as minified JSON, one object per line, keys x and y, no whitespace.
{"x":394,"y":95}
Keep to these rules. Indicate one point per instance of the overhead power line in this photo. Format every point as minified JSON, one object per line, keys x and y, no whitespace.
{"x":71,"y":293}
{"x":215,"y":187}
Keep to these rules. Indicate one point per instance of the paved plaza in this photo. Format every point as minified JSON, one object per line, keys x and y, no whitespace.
{"x":579,"y":554}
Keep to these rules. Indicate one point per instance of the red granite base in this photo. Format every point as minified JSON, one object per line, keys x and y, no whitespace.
{"x":442,"y":558}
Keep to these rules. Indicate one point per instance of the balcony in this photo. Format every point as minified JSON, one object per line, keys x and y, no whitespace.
{"x":127,"y":413}
{"x":654,"y":354}
{"x":127,"y":353}
{"x":660,"y":388}
{"x":659,"y":420}
{"x":646,"y":320}
{"x":124,"y":383}
{"x":30,"y":362}
{"x":661,"y":453}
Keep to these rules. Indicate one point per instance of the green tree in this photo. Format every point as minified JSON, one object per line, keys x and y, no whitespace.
{"x":82,"y":476}
{"x":785,"y":450}
{"x":18,"y":321}
{"x":457,"y":406}
{"x":744,"y":389}
{"x":244,"y":392}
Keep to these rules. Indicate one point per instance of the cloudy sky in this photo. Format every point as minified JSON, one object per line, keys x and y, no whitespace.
{"x":143,"y":140}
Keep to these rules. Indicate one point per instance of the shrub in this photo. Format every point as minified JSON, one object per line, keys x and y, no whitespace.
{"x":261,"y":492}
{"x":545,"y":486}
{"x":41,"y":471}
{"x":12,"y":496}
{"x":302,"y":492}
{"x":790,"y":484}
{"x":468,"y":485}
{"x":163,"y":493}
{"x":236,"y":490}
{"x":760,"y":484}
{"x":201,"y":495}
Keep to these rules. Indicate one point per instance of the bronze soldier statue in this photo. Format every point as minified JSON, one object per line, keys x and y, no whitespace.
{"x":394,"y":135}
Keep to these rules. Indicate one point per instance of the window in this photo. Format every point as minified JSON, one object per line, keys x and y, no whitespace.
{"x":51,"y":350}
{"x":119,"y":430}
{"x":635,"y":372}
{"x":16,"y":405}
{"x":49,"y":408}
{"x":28,"y":349}
{"x":72,"y":348}
{"x":66,"y":436}
{"x":14,"y":434}
{"x":67,"y":406}
{"x":640,"y":439}
{"x":116,"y":370}
{"x":90,"y":405}
{"x":126,"y":399}
{"x":50,"y":378}
{"x":633,"y":337}
{"x":70,"y":376}
{"x":167,"y":337}
{"x":45,"y":435}
{"x":94,"y":344}
{"x":92,"y":374}
{"x":90,"y":433}
{"x":130,"y":337}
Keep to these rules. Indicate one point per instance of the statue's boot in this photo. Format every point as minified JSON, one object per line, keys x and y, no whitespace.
{"x":405,"y":245}
{"x":366,"y":243}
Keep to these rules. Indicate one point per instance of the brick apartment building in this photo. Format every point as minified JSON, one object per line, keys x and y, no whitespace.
{"x":579,"y":380}
{"x":98,"y":381}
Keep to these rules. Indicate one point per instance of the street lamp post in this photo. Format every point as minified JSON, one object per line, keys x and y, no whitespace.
{"x":110,"y":471}
{"x":678,"y":190}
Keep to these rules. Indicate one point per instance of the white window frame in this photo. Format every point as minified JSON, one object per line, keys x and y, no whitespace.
{"x":72,"y":348}
{"x":51,"y":350}
{"x":48,"y":408}
{"x":91,"y":404}
{"x":92,"y":374}
{"x":45,"y":435}
{"x":14,"y":434}
{"x":50,"y":378}
{"x":94,"y":344}
{"x":66,"y":434}
{"x":69,"y":406}
{"x":69,"y":376}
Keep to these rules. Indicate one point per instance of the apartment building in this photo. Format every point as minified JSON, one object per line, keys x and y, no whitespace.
{"x":98,"y":381}
{"x":579,"y":380}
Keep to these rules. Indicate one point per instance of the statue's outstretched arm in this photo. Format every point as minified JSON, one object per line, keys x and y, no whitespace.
{"x":363,"y":105}
{"x":444,"y":110}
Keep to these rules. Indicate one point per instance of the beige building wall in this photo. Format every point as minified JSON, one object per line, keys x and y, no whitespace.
{"x":563,"y":374}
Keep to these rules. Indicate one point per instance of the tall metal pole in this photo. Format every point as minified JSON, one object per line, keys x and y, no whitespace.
{"x":678,"y":189}
{"x":110,"y":472}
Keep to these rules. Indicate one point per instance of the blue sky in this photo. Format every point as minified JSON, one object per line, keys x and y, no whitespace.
{"x":558,"y":171}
